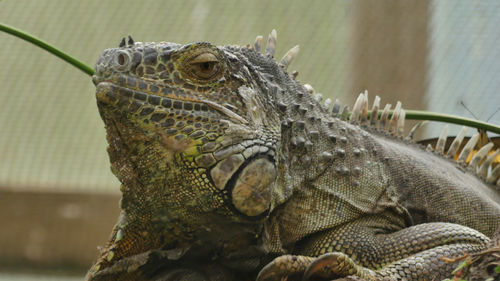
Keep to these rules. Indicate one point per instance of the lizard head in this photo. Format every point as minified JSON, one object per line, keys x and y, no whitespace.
{"x":192,"y":132}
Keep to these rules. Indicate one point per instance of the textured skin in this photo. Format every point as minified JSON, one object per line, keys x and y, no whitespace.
{"x":483,"y":265}
{"x":226,"y":162}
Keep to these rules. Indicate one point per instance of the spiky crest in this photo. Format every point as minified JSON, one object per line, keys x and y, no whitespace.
{"x":482,"y":163}
{"x":272,"y":39}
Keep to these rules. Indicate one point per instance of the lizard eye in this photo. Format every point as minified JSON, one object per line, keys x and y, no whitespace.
{"x":205,"y":66}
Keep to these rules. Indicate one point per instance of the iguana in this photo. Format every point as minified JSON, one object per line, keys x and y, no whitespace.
{"x":232,"y":170}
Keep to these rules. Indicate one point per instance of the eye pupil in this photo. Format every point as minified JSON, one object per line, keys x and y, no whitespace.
{"x":205,"y":66}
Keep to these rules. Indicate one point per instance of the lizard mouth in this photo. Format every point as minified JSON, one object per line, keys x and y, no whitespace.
{"x":145,"y":104}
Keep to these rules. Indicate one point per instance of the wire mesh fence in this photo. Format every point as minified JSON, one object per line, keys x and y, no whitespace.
{"x":436,"y":55}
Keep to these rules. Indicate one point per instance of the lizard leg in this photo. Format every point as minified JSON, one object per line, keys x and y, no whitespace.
{"x":358,"y":248}
{"x":331,"y":265}
{"x":414,"y":253}
{"x":426,"y":265}
{"x":429,"y":264}
{"x":335,"y":265}
{"x":285,"y":266}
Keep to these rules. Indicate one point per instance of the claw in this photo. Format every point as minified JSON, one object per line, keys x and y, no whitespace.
{"x":283,"y":267}
{"x":325,"y":266}
{"x":334,"y":265}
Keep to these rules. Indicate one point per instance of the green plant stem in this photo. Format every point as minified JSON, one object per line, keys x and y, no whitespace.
{"x":30,"y":38}
{"x":410,"y":114}
{"x":446,"y":118}
{"x":433,"y":116}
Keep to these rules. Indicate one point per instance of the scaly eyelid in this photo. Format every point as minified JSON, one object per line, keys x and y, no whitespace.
{"x":204,"y":58}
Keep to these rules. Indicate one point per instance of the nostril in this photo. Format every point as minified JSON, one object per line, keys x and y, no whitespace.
{"x":122,"y":60}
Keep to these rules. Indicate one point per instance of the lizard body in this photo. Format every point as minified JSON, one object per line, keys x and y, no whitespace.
{"x":227,"y":163}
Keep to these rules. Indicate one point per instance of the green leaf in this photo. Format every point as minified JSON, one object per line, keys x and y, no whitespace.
{"x":463,"y":264}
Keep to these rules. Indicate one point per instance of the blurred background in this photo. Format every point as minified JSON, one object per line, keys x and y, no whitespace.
{"x":58,"y":198}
